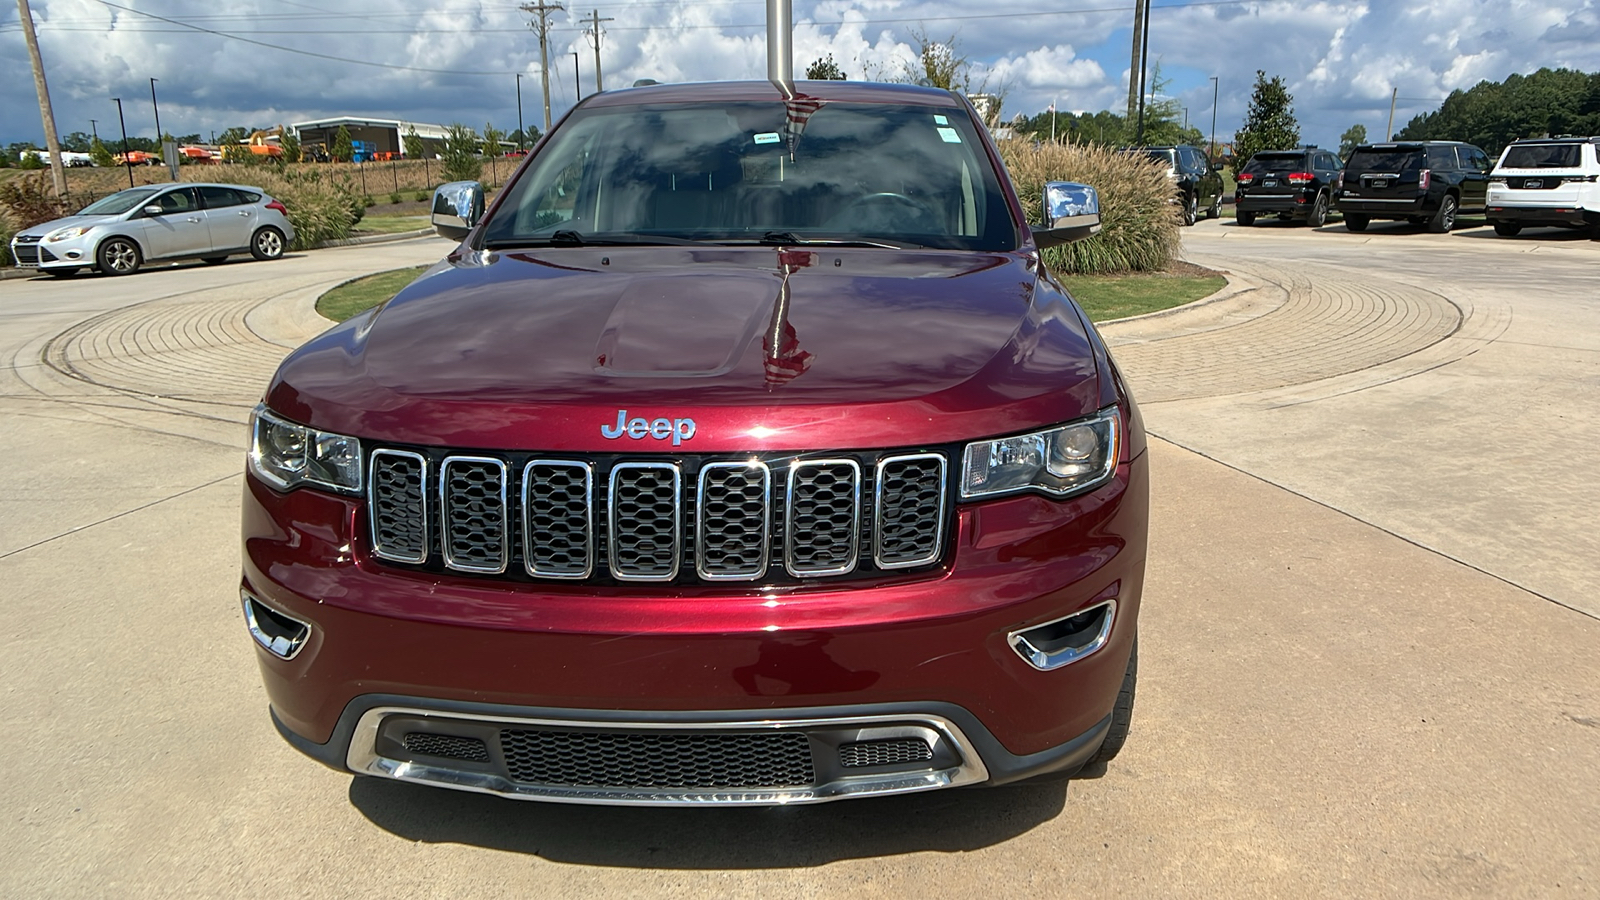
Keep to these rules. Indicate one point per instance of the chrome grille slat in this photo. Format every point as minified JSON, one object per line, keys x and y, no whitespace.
{"x":644,"y":540}
{"x":822,"y":521}
{"x":558,"y":518}
{"x":908,"y":510}
{"x":732,"y":514}
{"x":397,"y":505}
{"x":473,"y":525}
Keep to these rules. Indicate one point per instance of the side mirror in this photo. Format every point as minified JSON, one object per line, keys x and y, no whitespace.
{"x":457,"y":207}
{"x":1216,"y":166}
{"x":152,"y":210}
{"x":1071,"y":213}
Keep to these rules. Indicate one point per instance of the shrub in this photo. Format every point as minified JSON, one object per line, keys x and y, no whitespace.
{"x":28,"y":201}
{"x":422,"y":196}
{"x":32,"y":160}
{"x":6,"y":231}
{"x":1139,"y":222}
{"x":461,"y":160}
{"x":394,"y":197}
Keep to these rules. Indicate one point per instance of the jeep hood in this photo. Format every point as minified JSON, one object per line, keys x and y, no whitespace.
{"x":765,"y":349}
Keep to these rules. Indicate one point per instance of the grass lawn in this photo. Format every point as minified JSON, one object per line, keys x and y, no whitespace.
{"x":364,"y":293}
{"x":390,"y":224}
{"x":1106,"y":297}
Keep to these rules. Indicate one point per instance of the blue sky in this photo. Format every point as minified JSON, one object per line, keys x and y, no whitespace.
{"x":454,"y":60}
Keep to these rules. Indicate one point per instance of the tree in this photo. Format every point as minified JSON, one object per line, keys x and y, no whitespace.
{"x":291,"y":147}
{"x":344,"y":149}
{"x":1162,"y":126}
{"x":76,"y":142}
{"x":233,"y":135}
{"x":524,"y":138}
{"x":1351,"y":139}
{"x":825,"y":70}
{"x":461,"y":160}
{"x":100,"y":154}
{"x":492,"y":137}
{"x":939,"y":64}
{"x":412,"y":143}
{"x":1269,"y":124}
{"x":1493,"y":114}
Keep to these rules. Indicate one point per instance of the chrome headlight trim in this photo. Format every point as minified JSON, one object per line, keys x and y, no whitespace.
{"x":311,"y":458}
{"x":1051,"y":461}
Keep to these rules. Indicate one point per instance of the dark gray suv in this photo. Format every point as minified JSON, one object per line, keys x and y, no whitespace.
{"x":1423,"y":182}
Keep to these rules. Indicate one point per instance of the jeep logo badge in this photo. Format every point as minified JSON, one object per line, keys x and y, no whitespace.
{"x":638,"y":428}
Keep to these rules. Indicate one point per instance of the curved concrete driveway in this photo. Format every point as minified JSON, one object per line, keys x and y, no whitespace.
{"x":1326,"y":709}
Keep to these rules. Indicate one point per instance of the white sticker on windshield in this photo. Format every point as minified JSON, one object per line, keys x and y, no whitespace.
{"x":950,"y":136}
{"x":768,"y":137}
{"x":941,"y":120}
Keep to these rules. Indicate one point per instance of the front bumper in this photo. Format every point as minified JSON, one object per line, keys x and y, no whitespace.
{"x":921,"y":647}
{"x":72,"y":253}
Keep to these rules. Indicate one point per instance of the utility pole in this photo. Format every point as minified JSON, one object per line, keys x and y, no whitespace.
{"x":1214,"y":85}
{"x":541,"y":26}
{"x":594,"y":33}
{"x":46,"y":114}
{"x":124,"y":123}
{"x":577,"y":86}
{"x":522,"y":133}
{"x":1136,"y":62}
{"x":1144,"y":64}
{"x":1389,"y":134}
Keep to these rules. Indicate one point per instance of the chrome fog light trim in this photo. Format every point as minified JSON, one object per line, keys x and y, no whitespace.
{"x":282,"y":635}
{"x":1044,"y":659}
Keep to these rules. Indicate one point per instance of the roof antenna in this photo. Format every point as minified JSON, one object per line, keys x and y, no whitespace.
{"x":780,"y":46}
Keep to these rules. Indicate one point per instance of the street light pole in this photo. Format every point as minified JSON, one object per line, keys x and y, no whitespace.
{"x":522,"y":130}
{"x":161,"y":144}
{"x":577,"y":86}
{"x":1214,"y":85}
{"x":126,"y":164}
{"x":93,"y":130}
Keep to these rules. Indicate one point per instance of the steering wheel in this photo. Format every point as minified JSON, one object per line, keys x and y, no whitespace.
{"x":886,"y":212}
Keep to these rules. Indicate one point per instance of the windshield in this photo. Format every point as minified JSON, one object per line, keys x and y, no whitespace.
{"x":1378,"y":160}
{"x":732,"y":172}
{"x":1291,"y":162}
{"x":117,"y":203}
{"x":1542,"y":156}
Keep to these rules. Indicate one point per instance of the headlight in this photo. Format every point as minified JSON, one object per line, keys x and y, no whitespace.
{"x":286,"y":455}
{"x":1060,"y":461}
{"x":64,"y":234}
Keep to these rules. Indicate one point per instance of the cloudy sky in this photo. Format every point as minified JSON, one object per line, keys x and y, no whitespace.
{"x":256,"y":63}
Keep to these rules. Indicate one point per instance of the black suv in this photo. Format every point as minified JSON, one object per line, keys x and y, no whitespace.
{"x":1198,"y":182}
{"x":1423,"y":182}
{"x":1291,"y":184}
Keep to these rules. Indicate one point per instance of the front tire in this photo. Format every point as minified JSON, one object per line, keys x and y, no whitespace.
{"x":1445,"y":218}
{"x":118,"y":256}
{"x":1319,"y":212}
{"x":1507,"y":229}
{"x":1355,"y":222}
{"x":1191,"y":209}
{"x":267,"y":243}
{"x":1121,"y":714}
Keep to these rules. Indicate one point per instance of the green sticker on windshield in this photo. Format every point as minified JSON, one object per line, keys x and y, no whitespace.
{"x":949,"y":135}
{"x":768,"y":137}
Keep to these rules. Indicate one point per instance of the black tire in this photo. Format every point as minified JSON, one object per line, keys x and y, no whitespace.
{"x":1245,"y":218}
{"x":1121,"y":714}
{"x":1444,"y":218}
{"x":214,"y":260}
{"x":1191,"y":209}
{"x":1318,"y":216}
{"x":1507,"y":229}
{"x":267,"y":243}
{"x":61,"y":273}
{"x":118,"y":256}
{"x":1356,"y":222}
{"x":1215,"y":212}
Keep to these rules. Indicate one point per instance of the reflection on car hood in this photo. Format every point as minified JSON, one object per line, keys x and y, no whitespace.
{"x":538,"y":349}
{"x":68,"y":222}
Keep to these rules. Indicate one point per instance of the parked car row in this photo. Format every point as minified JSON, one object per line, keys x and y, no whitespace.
{"x":1538,"y":182}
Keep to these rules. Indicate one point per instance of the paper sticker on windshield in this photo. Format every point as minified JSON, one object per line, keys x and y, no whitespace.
{"x":768,"y":137}
{"x":941,"y":120}
{"x":949,"y":136}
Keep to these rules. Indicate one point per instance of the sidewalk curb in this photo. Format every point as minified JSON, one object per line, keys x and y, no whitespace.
{"x":1236,"y":285}
{"x":373,"y":239}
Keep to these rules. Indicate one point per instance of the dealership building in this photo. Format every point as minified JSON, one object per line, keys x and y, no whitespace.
{"x":385,"y":135}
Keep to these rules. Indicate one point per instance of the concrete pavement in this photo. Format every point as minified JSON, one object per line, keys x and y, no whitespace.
{"x":1325,"y":709}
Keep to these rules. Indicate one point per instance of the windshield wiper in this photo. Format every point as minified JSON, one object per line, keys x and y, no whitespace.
{"x":569,"y":238}
{"x":790,"y":239}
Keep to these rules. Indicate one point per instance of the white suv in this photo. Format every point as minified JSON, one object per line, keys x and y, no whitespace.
{"x":1546,"y":181}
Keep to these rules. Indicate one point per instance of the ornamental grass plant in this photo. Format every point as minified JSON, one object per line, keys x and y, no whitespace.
{"x":1139,"y":221}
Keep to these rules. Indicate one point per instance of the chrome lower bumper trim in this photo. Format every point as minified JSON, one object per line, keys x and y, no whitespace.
{"x":363,"y":758}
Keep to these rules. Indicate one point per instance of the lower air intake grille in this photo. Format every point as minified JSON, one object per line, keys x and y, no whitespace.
{"x":447,"y":746}
{"x":633,"y":760}
{"x":883,"y":753}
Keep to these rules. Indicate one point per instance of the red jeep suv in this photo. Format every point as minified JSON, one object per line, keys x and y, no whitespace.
{"x":744,"y":452}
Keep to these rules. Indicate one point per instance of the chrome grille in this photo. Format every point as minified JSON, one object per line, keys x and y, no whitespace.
{"x":747,"y":518}
{"x":731,"y":531}
{"x":822,"y":527}
{"x":472,"y":498}
{"x":558,"y":518}
{"x":644,"y":540}
{"x":644,"y":760}
{"x":909,"y":510}
{"x":398,"y":511}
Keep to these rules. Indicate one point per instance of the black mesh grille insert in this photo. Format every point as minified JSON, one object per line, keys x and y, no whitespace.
{"x":26,"y":255}
{"x":447,"y":746}
{"x":399,"y":510}
{"x":636,"y":760}
{"x":644,"y":521}
{"x":910,"y":510}
{"x":557,"y":519}
{"x":733,"y":520}
{"x":883,"y":753}
{"x":824,"y":517}
{"x":474,"y":514}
